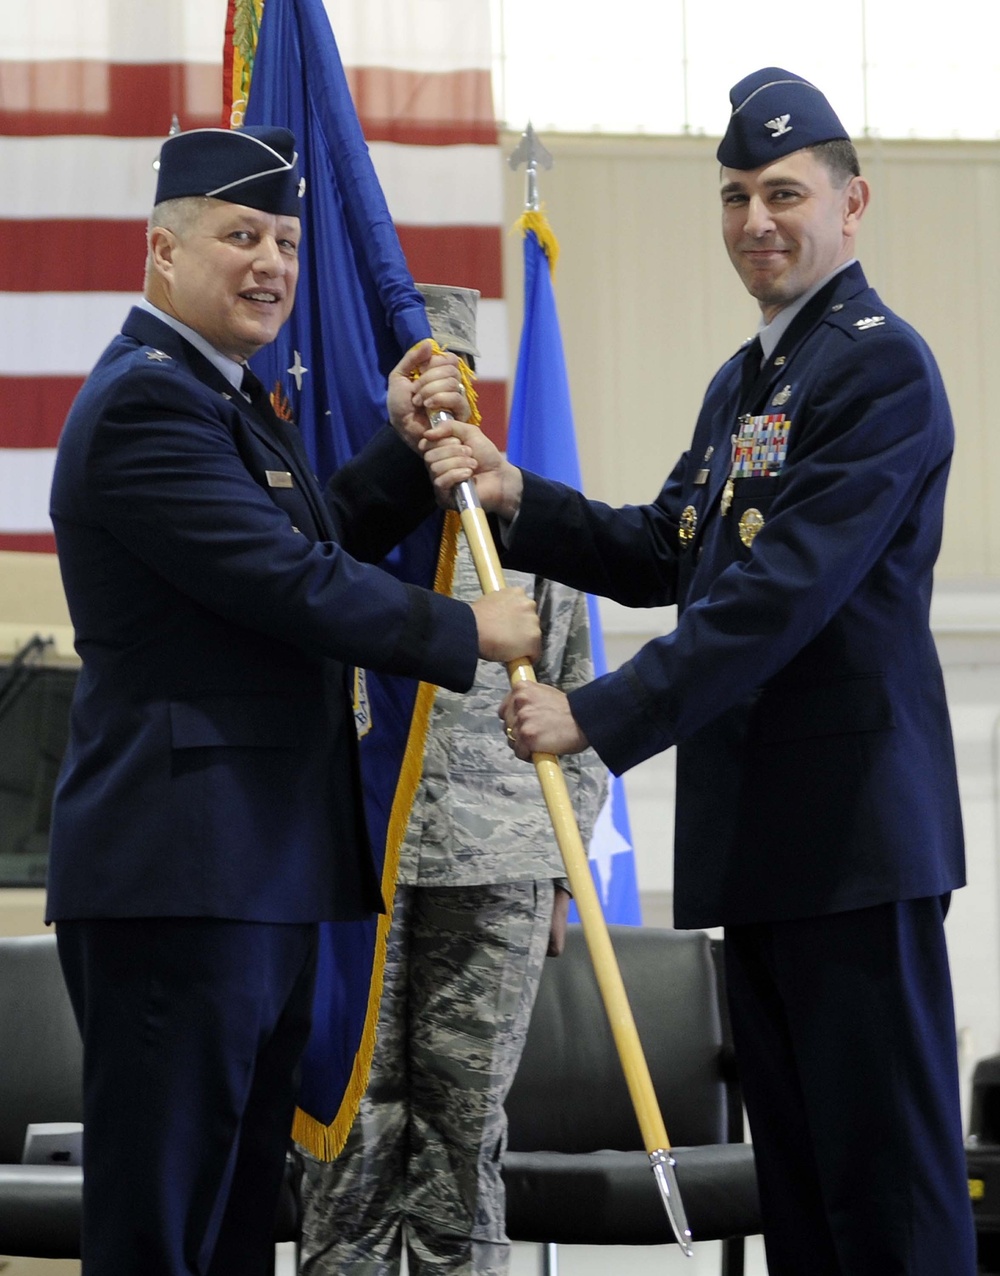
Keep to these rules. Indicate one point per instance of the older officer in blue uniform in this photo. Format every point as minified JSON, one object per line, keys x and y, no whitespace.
{"x":208,"y":813}
{"x":817,"y":805}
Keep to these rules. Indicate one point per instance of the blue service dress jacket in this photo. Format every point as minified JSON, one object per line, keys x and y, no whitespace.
{"x":221,"y":600}
{"x":815,"y":764}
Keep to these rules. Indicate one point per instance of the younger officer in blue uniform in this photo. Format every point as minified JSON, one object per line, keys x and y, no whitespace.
{"x":817,"y":805}
{"x":208,"y":813}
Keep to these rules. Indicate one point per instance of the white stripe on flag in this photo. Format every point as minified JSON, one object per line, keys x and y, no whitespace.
{"x":58,"y":334}
{"x":25,"y":479}
{"x":121,"y":31}
{"x":113,"y":177}
{"x":440,"y":185}
{"x":404,"y":36}
{"x":387,"y":33}
{"x":63,"y":334}
{"x":492,"y":340}
{"x":78,"y":177}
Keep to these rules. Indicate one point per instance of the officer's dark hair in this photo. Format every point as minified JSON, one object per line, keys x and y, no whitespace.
{"x":840,"y":158}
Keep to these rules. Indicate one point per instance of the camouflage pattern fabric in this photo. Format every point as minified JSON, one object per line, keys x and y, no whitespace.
{"x":422,"y":1161}
{"x":478,"y":815}
{"x":470,"y":926}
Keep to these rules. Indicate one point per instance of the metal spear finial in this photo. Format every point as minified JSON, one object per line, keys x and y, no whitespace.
{"x":175,"y":128}
{"x":530,"y":152}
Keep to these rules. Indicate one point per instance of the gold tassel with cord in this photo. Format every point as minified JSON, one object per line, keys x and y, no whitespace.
{"x":468,"y":379}
{"x":533,"y":219}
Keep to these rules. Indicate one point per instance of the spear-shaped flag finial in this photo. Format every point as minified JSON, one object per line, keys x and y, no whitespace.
{"x":530,"y":152}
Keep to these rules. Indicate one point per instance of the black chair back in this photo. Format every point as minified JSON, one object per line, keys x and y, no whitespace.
{"x":41,"y":1078}
{"x":575,"y":1169}
{"x":570,"y":1093}
{"x":41,"y":1058}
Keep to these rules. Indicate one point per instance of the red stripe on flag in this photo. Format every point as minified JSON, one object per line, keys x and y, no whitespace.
{"x":423,"y":108}
{"x":463,"y":256}
{"x":115,"y":98}
{"x":77,"y":256}
{"x":77,"y":96}
{"x":107,"y":256}
{"x":492,"y":397}
{"x":27,"y":542}
{"x":35,"y":409}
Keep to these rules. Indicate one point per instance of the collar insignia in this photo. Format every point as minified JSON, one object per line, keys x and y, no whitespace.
{"x":156,"y":356}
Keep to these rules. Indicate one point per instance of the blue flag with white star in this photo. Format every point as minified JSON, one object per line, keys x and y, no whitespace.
{"x":541,"y":437}
{"x":356,"y":312}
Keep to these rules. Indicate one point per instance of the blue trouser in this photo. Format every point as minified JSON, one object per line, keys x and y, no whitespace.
{"x":192,"y":1030}
{"x":845,"y":1036}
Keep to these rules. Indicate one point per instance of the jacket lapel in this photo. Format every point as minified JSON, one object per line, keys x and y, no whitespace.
{"x":840,"y":289}
{"x":280,"y":436}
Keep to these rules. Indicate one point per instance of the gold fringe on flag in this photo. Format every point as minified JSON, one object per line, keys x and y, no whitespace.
{"x":468,"y":378}
{"x":533,"y":219}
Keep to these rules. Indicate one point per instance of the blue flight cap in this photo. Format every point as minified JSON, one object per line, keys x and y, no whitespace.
{"x":255,"y":166}
{"x":775,"y":113}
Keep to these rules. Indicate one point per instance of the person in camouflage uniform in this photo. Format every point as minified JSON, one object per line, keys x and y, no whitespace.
{"x":479,"y":901}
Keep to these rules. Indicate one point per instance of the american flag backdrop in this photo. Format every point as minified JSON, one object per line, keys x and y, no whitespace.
{"x":87,"y":93}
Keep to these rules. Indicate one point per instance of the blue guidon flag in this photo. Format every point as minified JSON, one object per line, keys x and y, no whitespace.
{"x":356,"y":312}
{"x":541,"y":437}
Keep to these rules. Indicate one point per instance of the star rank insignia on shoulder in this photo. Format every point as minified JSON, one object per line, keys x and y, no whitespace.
{"x":157,"y":356}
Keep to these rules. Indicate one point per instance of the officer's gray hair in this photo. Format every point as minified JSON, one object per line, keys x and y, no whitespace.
{"x":175,"y":215}
{"x":178,"y":215}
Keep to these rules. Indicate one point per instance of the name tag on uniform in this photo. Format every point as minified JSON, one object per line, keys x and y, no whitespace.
{"x":278,"y":478}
